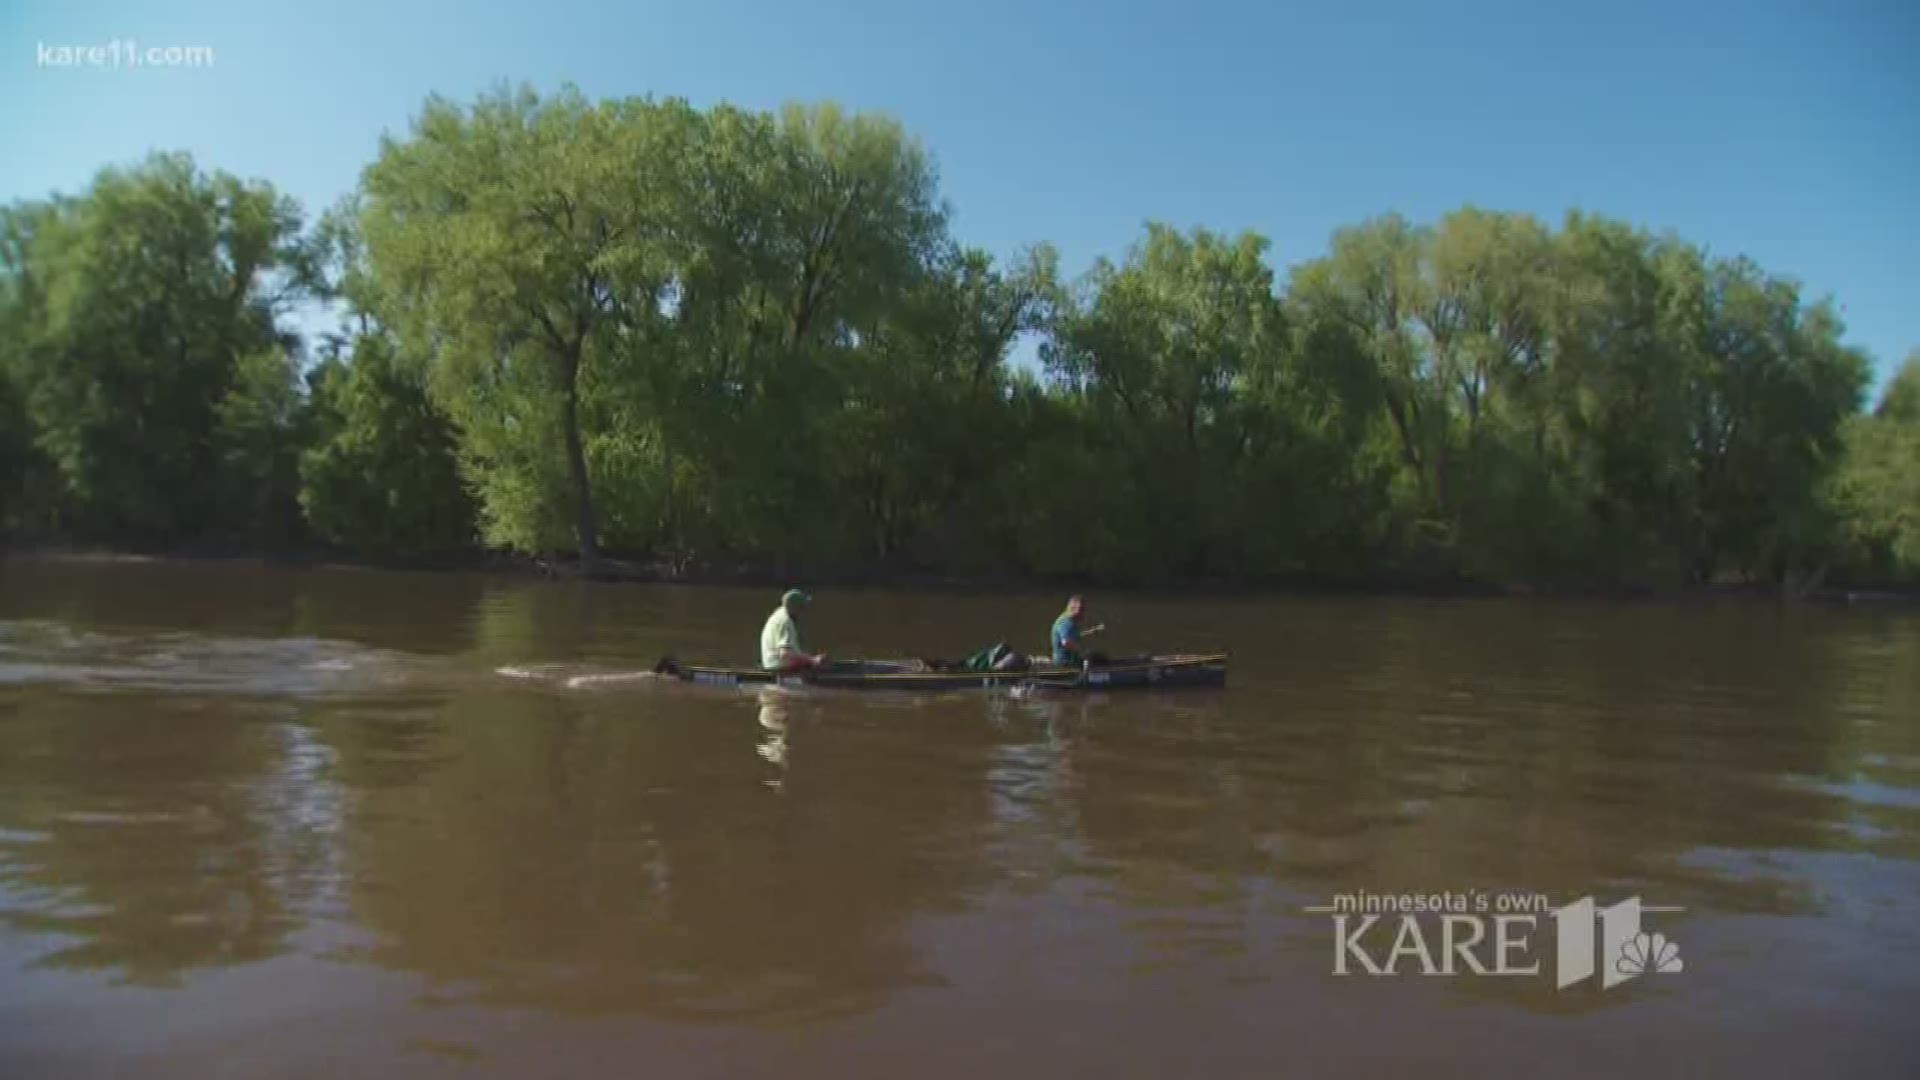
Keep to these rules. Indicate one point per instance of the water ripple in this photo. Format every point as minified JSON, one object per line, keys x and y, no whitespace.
{"x":35,"y":653}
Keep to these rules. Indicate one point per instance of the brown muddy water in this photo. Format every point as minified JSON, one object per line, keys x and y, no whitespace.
{"x":261,"y":823}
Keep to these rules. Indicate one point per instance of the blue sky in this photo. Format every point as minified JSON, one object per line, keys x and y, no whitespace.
{"x":1786,"y":131}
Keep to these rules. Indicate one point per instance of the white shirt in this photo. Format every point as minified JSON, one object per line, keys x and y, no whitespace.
{"x":779,"y":636}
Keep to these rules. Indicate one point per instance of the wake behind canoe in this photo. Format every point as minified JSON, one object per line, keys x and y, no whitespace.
{"x":1128,"y":673}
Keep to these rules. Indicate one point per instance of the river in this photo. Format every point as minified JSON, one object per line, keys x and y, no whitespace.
{"x":264,"y":822}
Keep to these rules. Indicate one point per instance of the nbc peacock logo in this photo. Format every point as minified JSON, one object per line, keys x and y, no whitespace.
{"x":1620,"y":952}
{"x":1649,"y":953}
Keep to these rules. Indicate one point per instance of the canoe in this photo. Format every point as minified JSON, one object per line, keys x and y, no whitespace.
{"x":1119,"y":673}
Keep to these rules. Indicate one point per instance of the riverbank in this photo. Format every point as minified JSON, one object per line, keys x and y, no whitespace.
{"x":613,"y":570}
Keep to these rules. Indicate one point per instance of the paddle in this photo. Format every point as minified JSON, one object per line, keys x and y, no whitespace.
{"x":1094,"y":658}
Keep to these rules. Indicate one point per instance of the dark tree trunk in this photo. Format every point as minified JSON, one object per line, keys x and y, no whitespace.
{"x":586,"y":527}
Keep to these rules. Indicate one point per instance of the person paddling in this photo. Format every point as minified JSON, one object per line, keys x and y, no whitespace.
{"x":1068,"y":649}
{"x":780,"y":648}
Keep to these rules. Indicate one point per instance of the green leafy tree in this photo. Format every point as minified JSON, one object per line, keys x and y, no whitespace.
{"x":146,"y":314}
{"x":25,"y":500}
{"x":811,"y":231}
{"x":925,"y":435}
{"x":1158,"y":359}
{"x":260,"y":426}
{"x":382,"y":476}
{"x":1367,"y":291}
{"x":1877,"y":488}
{"x":1901,"y":402}
{"x":1617,"y":391}
{"x":523,"y":247}
{"x":19,"y":460}
{"x":1769,"y":386}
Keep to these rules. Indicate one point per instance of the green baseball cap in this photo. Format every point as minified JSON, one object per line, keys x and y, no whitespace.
{"x":795,"y":598}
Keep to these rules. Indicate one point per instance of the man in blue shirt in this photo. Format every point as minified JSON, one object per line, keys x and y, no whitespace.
{"x":1067,"y":649}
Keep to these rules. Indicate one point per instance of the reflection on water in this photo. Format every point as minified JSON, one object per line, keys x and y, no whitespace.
{"x":432,"y":809}
{"x":171,"y":841}
{"x":773,"y":720}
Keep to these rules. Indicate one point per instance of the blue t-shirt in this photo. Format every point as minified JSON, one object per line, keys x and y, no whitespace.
{"x":1066,"y":640}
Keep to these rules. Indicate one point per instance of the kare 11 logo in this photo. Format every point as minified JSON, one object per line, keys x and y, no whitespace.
{"x":1496,"y":934}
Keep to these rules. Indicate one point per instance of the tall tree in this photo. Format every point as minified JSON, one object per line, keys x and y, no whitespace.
{"x":1618,"y":395}
{"x":521,"y":244}
{"x":806,"y":233}
{"x":1769,"y":385}
{"x":1159,"y":353}
{"x":1877,"y":487}
{"x":145,"y":319}
{"x":1369,"y":289}
{"x":381,"y":476}
{"x":926,"y":436}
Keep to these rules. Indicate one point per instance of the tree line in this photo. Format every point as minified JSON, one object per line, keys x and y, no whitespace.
{"x":715,"y":339}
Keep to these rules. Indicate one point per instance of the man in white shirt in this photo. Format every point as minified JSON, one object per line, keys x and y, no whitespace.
{"x":780,"y":648}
